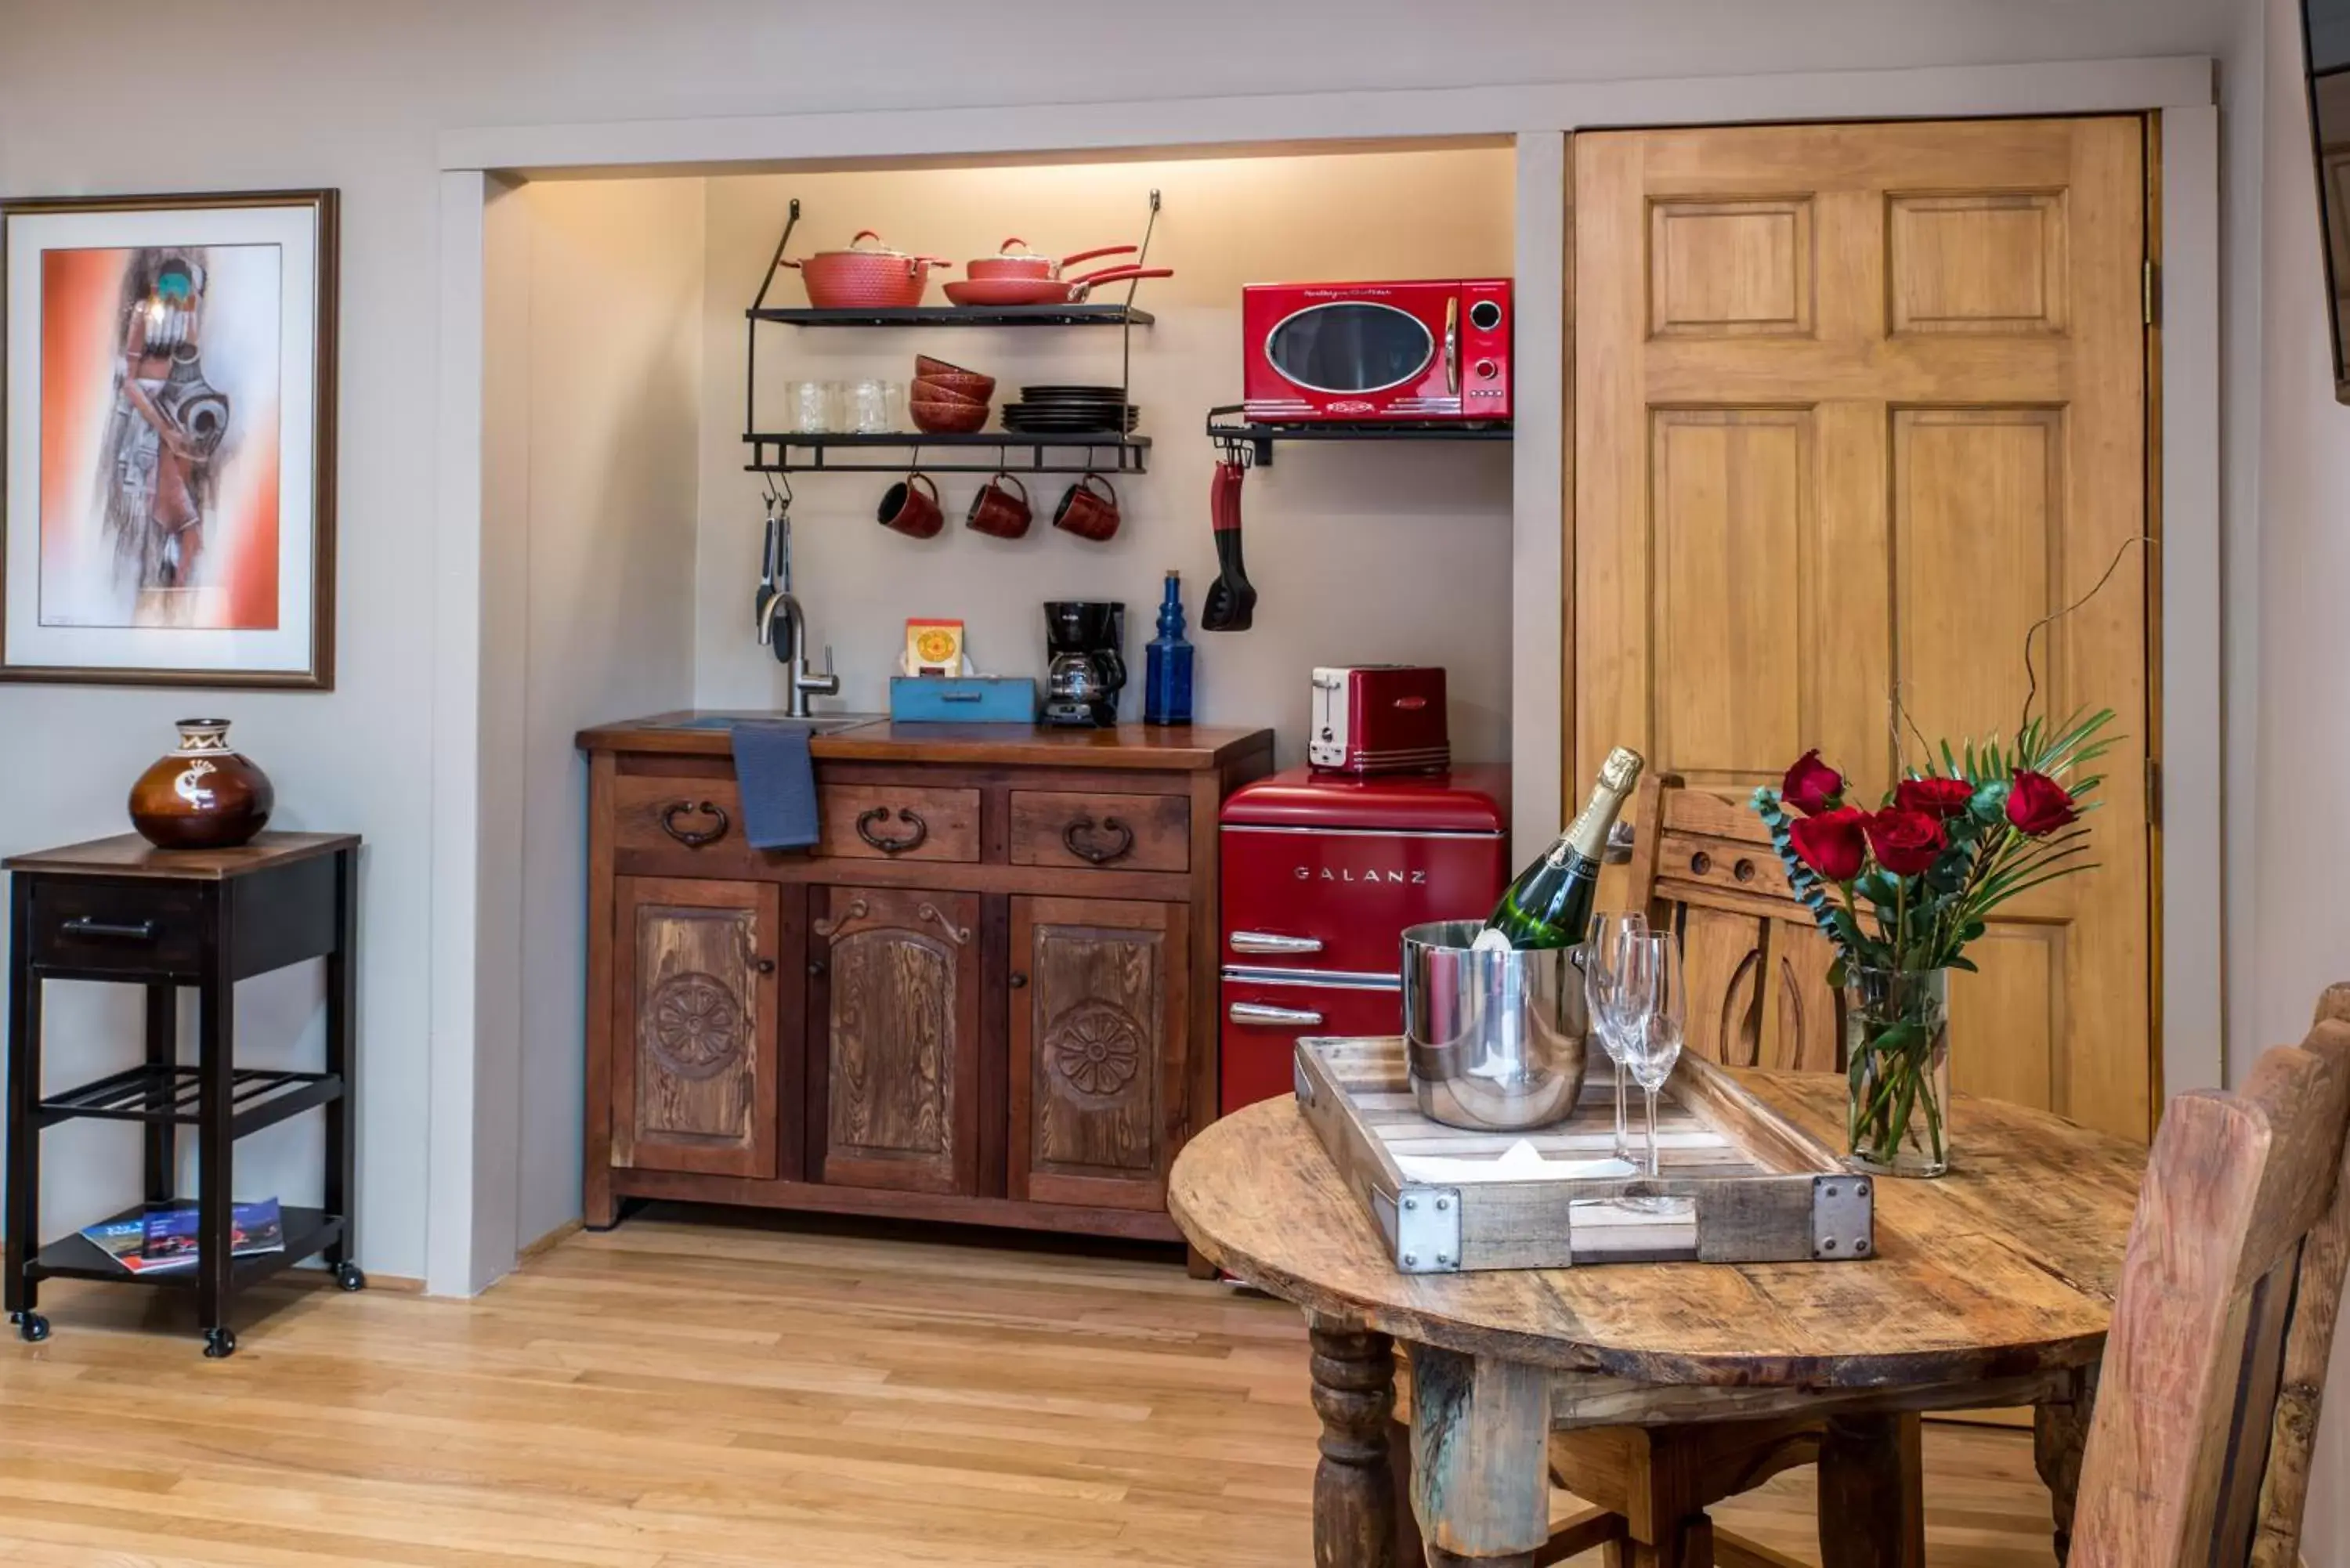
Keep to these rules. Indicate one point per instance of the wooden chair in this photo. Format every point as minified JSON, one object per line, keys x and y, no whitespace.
{"x":1756,"y":966}
{"x":2207,"y":1401}
{"x":1702,"y":866}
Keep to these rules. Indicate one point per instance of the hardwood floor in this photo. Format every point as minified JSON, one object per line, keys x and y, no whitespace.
{"x":717,"y":1396}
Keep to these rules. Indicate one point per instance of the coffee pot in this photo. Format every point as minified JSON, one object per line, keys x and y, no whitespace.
{"x":1085,"y":661}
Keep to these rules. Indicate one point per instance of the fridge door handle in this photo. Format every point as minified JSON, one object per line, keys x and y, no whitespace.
{"x":1279,"y":1017}
{"x":1267,"y":942}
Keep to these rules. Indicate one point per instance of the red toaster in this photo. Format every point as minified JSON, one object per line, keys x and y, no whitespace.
{"x":1380,"y":718}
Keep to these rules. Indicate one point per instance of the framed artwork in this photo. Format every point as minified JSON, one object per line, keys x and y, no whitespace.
{"x":167,"y":403}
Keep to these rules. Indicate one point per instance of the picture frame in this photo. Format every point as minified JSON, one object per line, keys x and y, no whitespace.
{"x":168,"y":369}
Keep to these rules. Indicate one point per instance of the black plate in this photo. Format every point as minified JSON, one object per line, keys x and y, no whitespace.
{"x":1067,"y":427}
{"x":1103,"y":394}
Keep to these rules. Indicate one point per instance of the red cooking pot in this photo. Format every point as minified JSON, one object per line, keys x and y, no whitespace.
{"x":877,"y":278}
{"x":1006,"y":263}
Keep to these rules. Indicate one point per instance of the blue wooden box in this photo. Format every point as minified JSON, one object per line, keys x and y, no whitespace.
{"x":964,"y":698}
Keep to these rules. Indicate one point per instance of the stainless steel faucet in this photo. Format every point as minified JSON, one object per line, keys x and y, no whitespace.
{"x":792,"y":651}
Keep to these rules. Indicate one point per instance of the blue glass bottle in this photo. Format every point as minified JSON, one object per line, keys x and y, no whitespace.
{"x":1167,"y":669}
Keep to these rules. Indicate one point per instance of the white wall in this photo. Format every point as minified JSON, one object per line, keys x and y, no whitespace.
{"x":1359,"y":553}
{"x":292,"y":93}
{"x":614,"y":368}
{"x":2300,"y":932}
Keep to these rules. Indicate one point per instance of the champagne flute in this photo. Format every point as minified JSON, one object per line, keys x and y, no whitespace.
{"x":1652,"y":974}
{"x":1602,"y":950}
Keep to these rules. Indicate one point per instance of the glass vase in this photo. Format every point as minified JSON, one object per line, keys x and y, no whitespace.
{"x":1897,"y":1040}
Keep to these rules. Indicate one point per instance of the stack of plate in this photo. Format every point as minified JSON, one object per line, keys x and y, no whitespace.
{"x":1070,"y":410}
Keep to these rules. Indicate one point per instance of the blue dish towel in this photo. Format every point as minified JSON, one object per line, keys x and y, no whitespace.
{"x":778,"y":783}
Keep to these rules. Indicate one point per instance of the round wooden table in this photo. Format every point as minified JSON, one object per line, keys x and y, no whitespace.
{"x":1991,"y":1287}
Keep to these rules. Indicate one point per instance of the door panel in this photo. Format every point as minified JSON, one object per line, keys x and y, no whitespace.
{"x":896,"y":1000}
{"x":1099,"y":1018}
{"x":695,"y":980}
{"x":1855,"y":407}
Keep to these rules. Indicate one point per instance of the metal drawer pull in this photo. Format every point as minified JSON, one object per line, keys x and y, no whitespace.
{"x":1100,"y":855}
{"x":112,"y":930}
{"x":892,"y":845}
{"x":1258,"y":1013}
{"x":1266,"y":942}
{"x":692,"y":837}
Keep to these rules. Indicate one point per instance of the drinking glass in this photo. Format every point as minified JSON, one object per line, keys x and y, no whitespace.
{"x":812,"y":407}
{"x":869,"y":407}
{"x":1650,"y":978}
{"x":1603,"y":947}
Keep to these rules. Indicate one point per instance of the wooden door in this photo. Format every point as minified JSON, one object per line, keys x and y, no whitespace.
{"x":1854,"y":406}
{"x":1099,"y":1004}
{"x":895,"y":998}
{"x":696,"y":985}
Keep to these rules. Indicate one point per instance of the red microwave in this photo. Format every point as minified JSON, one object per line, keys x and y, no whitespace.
{"x":1377,"y":351}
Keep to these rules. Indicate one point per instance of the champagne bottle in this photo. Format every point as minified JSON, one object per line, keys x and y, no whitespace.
{"x":1549,"y":906}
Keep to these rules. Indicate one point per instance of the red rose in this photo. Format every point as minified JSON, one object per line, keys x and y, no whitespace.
{"x":1830,"y":843}
{"x":1811,"y":786}
{"x":2038,"y":803}
{"x":1906,"y":842}
{"x":1933,"y":796}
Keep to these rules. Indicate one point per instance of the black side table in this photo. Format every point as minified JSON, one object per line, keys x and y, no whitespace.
{"x":120,"y":909}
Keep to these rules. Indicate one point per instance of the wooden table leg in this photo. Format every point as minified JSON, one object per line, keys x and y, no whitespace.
{"x":1480,"y":1458}
{"x":2060,"y":1429}
{"x":1354,"y":1490}
{"x":1872,"y":1503}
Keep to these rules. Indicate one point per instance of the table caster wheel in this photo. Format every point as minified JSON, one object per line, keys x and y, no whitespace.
{"x":31,"y":1327}
{"x":348,"y":1275}
{"x":219,"y":1343}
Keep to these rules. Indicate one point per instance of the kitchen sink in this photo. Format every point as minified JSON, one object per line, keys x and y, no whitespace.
{"x":820,"y":724}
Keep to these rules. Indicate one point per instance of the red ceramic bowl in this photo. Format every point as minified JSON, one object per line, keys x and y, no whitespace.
{"x":960,"y":383}
{"x":947,"y":419}
{"x":932,"y":393}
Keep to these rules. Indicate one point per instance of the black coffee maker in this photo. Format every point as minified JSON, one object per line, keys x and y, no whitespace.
{"x":1085,"y":669}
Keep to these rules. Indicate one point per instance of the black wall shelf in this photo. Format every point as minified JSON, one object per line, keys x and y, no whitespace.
{"x":1228,"y":426}
{"x":1011,"y":454}
{"x":960,"y":315}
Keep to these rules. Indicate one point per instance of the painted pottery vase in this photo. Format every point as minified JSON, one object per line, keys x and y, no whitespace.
{"x":204,"y":796}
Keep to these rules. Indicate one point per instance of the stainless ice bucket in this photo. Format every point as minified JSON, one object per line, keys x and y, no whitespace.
{"x":1496,"y":1039}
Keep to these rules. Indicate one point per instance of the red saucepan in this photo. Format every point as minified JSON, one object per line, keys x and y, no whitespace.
{"x":1005,"y":263}
{"x":1004,"y":291}
{"x":872,"y":279}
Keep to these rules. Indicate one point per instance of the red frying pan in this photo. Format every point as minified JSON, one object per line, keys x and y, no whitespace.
{"x":1003,"y":291}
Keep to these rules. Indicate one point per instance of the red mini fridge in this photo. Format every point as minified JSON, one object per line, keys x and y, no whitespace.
{"x":1322,"y":872}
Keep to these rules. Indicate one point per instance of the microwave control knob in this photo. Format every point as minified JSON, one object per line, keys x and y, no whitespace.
{"x":1485,"y":369}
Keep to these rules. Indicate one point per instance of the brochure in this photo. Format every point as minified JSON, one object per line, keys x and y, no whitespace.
{"x":163,"y":1239}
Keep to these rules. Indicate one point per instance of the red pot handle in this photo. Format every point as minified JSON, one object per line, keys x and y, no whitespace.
{"x":1118,"y":273}
{"x":1005,"y":248}
{"x":868,"y":235}
{"x":1091,"y":255}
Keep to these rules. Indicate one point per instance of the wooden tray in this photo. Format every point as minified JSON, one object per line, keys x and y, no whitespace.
{"x":1738,"y":1185}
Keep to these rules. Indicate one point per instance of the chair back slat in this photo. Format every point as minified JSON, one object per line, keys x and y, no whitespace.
{"x":2213,"y":1320}
{"x":1756,"y":966}
{"x":2308,"y":1350}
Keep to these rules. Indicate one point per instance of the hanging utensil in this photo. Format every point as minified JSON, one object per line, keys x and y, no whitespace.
{"x":763,"y":601}
{"x":1231,"y":604}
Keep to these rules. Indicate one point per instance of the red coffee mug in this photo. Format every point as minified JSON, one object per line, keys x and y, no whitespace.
{"x":911,"y":507}
{"x":1002,"y":513}
{"x":1087,"y":513}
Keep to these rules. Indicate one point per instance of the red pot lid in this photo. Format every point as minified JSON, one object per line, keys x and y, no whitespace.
{"x":1466,"y":800}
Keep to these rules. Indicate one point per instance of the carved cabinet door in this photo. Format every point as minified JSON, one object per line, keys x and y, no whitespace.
{"x":895,"y":995}
{"x":1099,"y":1049}
{"x":694,"y":1079}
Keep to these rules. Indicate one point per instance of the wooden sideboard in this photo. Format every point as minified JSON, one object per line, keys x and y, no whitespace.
{"x":988,"y":994}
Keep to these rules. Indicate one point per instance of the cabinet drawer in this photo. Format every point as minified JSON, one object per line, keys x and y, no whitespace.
{"x":899,"y":822}
{"x":1109,"y":832}
{"x":702,"y":815}
{"x":113,"y":929}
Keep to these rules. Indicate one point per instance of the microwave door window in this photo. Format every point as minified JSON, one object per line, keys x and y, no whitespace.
{"x":1350,"y":348}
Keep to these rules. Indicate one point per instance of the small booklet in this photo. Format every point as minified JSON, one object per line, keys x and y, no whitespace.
{"x":166,"y":1238}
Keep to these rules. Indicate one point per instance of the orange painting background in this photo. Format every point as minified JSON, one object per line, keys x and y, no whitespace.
{"x":82,"y":293}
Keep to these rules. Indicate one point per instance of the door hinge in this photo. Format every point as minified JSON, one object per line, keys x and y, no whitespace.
{"x":2153,"y":793}
{"x":2150,"y":293}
